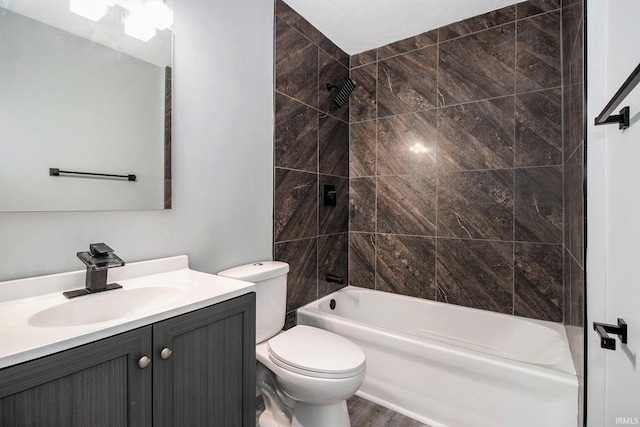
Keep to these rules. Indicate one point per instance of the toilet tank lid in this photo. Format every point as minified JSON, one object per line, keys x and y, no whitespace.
{"x":257,"y":271}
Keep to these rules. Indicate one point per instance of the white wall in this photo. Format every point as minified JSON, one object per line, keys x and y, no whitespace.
{"x":613,"y":202}
{"x":222,"y":159}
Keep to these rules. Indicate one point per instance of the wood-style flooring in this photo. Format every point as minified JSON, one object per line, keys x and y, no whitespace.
{"x":364,"y":413}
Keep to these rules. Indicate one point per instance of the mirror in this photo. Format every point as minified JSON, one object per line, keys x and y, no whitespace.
{"x":85,"y":105}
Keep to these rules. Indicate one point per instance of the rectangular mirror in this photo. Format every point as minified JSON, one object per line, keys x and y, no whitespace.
{"x":85,"y":89}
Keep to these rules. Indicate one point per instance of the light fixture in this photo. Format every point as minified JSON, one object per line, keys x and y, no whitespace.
{"x":418,"y":148}
{"x":93,"y":10}
{"x":141,"y":17}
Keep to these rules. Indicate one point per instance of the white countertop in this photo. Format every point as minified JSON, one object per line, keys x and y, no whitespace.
{"x":21,"y":299}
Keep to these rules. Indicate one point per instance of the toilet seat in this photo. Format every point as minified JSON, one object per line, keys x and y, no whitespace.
{"x":316,"y":353}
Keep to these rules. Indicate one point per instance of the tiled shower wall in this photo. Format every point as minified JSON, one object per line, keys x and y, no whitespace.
{"x":311,"y":149}
{"x":456,"y":170}
{"x":574,"y":154}
{"x":454,"y":187}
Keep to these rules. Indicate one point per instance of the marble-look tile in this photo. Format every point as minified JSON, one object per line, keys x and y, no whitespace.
{"x":362,"y":260}
{"x":477,"y":23}
{"x":296,"y":65}
{"x":574,"y":119}
{"x":362,"y":148}
{"x":295,"y":206}
{"x":478,"y":135}
{"x":538,"y":204}
{"x":538,"y":53}
{"x":574,"y":91}
{"x":333,"y":259}
{"x":294,"y":19}
{"x":535,"y":7}
{"x":478,"y":66}
{"x":332,"y":49}
{"x":363,"y":100}
{"x":406,"y":204}
{"x":476,"y":205}
{"x":301,"y":255}
{"x":572,"y":28}
{"x":565,"y":3}
{"x":407,"y":144}
{"x":331,"y":72}
{"x":364,"y":58}
{"x":476,"y":274}
{"x":333,"y":143}
{"x":362,"y":204}
{"x":566,"y":277}
{"x":407,"y":82}
{"x":290,"y":320}
{"x":539,"y":128}
{"x":576,"y":285}
{"x":538,"y":281}
{"x":576,"y":57}
{"x":574,"y":205}
{"x":572,"y":37}
{"x":167,"y":194}
{"x":334,"y":219}
{"x":419,"y":41}
{"x":406,"y":265}
{"x":295,"y":135}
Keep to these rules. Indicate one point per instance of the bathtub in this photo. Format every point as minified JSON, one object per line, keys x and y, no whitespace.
{"x":446,"y":365}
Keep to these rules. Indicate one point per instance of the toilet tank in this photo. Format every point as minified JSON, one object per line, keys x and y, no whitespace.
{"x":270,"y":279}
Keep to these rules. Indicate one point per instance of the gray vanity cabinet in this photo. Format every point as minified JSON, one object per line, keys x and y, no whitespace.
{"x":208,"y":378}
{"x":202,"y":373}
{"x":97,"y":384}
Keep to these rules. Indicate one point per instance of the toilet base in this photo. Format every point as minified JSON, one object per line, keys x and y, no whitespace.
{"x":306,"y":415}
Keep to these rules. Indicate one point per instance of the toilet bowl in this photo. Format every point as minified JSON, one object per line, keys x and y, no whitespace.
{"x":304,"y":374}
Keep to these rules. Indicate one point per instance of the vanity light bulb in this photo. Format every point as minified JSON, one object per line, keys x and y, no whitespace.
{"x":90,"y":9}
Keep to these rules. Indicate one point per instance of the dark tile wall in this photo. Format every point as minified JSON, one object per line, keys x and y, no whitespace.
{"x":311,"y":149}
{"x":574,"y":154}
{"x":457,"y":185}
{"x":456,"y":164}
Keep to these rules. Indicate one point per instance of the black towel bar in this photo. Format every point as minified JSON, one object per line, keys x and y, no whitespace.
{"x":605,"y":117}
{"x":57,"y":172}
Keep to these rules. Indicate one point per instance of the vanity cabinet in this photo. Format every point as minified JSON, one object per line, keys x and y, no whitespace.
{"x":201,"y":372}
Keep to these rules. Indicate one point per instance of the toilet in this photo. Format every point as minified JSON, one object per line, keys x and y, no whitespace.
{"x":305,"y":374}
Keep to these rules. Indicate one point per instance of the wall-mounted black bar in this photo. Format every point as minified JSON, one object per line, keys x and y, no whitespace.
{"x":604,"y":330}
{"x":57,"y":172}
{"x":622,"y":119}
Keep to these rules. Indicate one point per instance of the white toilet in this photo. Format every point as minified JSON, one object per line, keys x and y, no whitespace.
{"x":305,"y":374}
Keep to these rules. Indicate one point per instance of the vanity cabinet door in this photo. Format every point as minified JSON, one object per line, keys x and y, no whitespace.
{"x":97,"y":384}
{"x":206,"y":375}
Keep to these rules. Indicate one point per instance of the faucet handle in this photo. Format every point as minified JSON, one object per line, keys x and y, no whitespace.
{"x":99,"y":249}
{"x":99,"y":257}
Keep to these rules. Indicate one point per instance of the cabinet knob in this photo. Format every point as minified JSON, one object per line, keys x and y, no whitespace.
{"x":166,"y":353}
{"x":144,"y":362}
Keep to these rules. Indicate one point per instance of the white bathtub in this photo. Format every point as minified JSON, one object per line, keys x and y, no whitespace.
{"x":446,"y":365}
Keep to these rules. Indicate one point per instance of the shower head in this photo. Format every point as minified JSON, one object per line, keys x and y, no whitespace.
{"x":343,"y":92}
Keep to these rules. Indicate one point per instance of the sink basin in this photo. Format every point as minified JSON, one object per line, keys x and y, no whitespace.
{"x":110,"y":305}
{"x":37,"y":320}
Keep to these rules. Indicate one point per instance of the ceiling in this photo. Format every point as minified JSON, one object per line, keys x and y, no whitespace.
{"x":360,"y":25}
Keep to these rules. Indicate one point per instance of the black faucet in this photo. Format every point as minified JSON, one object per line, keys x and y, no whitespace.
{"x":98,"y":260}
